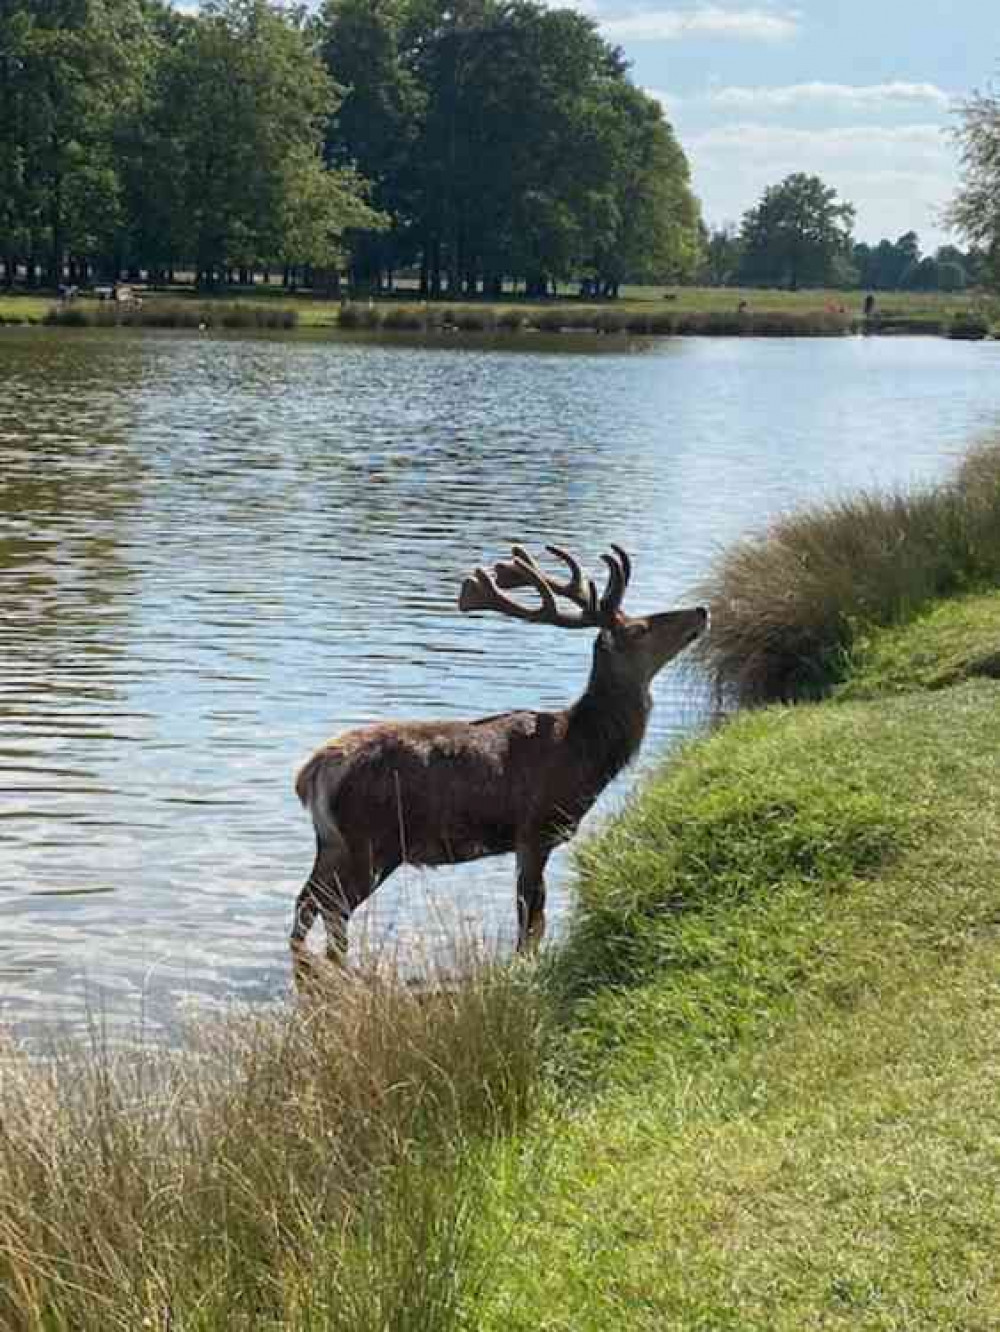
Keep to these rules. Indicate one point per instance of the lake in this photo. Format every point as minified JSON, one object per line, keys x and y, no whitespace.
{"x":218,"y":551}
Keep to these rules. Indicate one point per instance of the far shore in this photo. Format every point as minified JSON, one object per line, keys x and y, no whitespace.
{"x":642,"y":312}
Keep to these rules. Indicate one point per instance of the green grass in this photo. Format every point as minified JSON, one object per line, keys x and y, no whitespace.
{"x":789,"y":604}
{"x":782,"y":1038}
{"x":951,"y":642}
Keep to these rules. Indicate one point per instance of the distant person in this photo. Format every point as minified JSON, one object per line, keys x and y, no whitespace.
{"x":742,"y":308}
{"x":869,"y":305}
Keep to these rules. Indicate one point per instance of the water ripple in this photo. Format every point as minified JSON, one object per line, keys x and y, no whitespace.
{"x":216,"y":552}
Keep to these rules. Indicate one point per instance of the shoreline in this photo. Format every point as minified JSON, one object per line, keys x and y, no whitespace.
{"x":687,"y":313}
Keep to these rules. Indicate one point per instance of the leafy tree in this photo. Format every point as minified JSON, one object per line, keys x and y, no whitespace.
{"x":722,"y":254}
{"x":507,"y":143}
{"x":242,"y":109}
{"x":70,"y":73}
{"x":376,"y":124}
{"x":975,"y":210}
{"x":655,"y":234}
{"x":795,"y":234}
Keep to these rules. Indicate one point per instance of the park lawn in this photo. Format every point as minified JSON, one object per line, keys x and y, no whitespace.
{"x":317,"y":312}
{"x":781,"y":1039}
{"x":24,"y":309}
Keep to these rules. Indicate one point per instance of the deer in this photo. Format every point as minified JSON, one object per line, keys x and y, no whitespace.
{"x":428,"y":793}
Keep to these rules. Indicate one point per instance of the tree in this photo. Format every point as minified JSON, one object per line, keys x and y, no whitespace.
{"x":507,"y":143}
{"x":722,"y":254}
{"x":975,"y":210}
{"x":654,"y":233}
{"x":795,"y":234}
{"x":70,"y":69}
{"x":238,"y":134}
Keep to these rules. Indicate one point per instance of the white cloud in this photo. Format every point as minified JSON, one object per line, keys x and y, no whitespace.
{"x":844,"y":96}
{"x":897,"y":176}
{"x":822,"y":145}
{"x":672,"y":25}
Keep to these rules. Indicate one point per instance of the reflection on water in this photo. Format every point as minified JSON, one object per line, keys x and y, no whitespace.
{"x":216,"y":552}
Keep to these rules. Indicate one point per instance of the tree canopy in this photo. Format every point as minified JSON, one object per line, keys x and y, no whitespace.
{"x":797,"y":235}
{"x":481,"y":142}
{"x":975,"y":210}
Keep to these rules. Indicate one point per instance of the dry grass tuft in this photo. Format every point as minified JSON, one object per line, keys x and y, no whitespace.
{"x":788,"y":606}
{"x":307,"y":1168}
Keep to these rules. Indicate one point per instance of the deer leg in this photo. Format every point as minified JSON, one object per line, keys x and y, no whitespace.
{"x":531,"y":860}
{"x":325,"y":892}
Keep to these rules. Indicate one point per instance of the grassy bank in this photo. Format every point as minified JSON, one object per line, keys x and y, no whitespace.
{"x":781,"y":1027}
{"x":640,"y":311}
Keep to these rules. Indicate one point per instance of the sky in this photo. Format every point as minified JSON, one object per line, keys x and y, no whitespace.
{"x":859,"y":92}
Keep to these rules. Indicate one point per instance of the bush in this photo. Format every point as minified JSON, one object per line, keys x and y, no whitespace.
{"x":408,"y":320}
{"x":511,"y":321}
{"x":359,"y":316}
{"x":787,"y":606}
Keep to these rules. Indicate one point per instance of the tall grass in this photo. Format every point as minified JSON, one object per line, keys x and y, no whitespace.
{"x":305,"y":1169}
{"x":480,"y":318}
{"x":789,"y":606}
{"x":171,"y":314}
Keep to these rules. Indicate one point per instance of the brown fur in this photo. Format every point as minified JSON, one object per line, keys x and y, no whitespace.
{"x":445,"y":792}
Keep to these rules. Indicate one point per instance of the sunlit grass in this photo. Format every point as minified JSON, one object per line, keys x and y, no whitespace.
{"x":310,"y":1168}
{"x":782,"y":1039}
{"x":789,"y":604}
{"x":639,"y":310}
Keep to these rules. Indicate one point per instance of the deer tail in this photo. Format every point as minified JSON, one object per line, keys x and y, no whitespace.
{"x":316,"y":785}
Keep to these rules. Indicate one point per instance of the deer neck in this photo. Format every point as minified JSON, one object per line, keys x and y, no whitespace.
{"x":608,"y":722}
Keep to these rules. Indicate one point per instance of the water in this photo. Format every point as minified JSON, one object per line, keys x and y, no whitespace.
{"x":216,"y":552}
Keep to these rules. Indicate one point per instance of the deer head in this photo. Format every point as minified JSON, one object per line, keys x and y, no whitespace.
{"x":630,"y":650}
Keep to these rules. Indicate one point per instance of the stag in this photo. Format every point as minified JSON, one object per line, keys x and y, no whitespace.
{"x":445,"y":792}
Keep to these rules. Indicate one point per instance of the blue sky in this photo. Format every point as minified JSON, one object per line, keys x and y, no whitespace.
{"x":856,"y":91}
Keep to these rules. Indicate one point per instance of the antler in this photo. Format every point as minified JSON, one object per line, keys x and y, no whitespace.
{"x":482,"y":592}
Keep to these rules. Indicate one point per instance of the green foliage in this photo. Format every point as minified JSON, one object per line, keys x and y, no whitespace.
{"x":496,"y":142}
{"x":975,"y":210}
{"x":796,"y":234}
{"x":788,"y":606}
{"x":508,"y":144}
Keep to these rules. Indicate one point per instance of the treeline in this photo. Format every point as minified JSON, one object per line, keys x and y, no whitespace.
{"x":483,"y":144}
{"x":801,"y":234}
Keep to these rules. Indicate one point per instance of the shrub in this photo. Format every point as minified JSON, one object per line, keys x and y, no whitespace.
{"x":407,"y":319}
{"x":359,"y":316}
{"x":787,"y":606}
{"x":511,"y":321}
{"x":474,"y":319}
